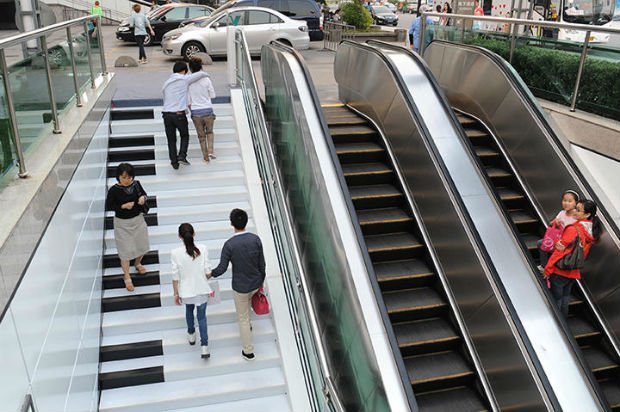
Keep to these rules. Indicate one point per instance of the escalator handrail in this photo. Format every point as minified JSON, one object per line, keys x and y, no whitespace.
{"x":316,"y":103}
{"x":528,"y":99}
{"x":458,"y":128}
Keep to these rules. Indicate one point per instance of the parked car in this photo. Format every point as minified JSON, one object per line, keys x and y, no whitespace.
{"x":164,"y":19}
{"x":307,"y":10}
{"x":260,"y":25}
{"x":387,"y":4}
{"x":383,"y":16}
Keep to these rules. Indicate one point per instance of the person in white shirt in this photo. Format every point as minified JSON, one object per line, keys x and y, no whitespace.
{"x":175,"y":105}
{"x":200,"y":95}
{"x":190,"y":267}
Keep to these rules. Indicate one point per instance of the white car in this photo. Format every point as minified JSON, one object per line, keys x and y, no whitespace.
{"x":260,"y":25}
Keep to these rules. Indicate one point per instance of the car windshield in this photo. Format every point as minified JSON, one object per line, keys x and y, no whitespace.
{"x":382,"y":9}
{"x":587,"y":11}
{"x":208,"y":20}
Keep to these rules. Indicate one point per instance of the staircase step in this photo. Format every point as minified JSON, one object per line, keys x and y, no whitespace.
{"x":150,"y":219}
{"x":123,"y":303}
{"x":131,"y":114}
{"x":133,"y":377}
{"x":139,"y":169}
{"x":135,"y":140}
{"x":117,"y":281}
{"x":131,"y":350}
{"x":203,"y":177}
{"x":277,"y":403}
{"x":196,"y":392}
{"x":111,"y":260}
{"x":131,"y":154}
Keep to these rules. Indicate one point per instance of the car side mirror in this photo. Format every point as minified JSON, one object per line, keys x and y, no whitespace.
{"x":216,"y":25}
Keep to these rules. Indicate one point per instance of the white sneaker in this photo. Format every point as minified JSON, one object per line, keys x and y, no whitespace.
{"x":540,"y":268}
{"x":205,"y":352}
{"x":191,"y":338}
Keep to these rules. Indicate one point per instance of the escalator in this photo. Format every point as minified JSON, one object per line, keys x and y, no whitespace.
{"x":582,"y":322}
{"x":437,"y":362}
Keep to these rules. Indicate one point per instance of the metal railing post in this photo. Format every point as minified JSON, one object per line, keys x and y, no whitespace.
{"x":104,"y":67}
{"x":582,"y":63}
{"x":76,"y":84}
{"x":422,"y":35}
{"x":50,"y":85}
{"x":513,"y":41}
{"x":90,"y":56}
{"x":13,"y":118}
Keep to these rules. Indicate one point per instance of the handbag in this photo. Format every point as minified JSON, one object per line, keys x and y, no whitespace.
{"x":575,"y":259}
{"x":552,"y":235}
{"x":260,"y":304}
{"x":140,"y":191}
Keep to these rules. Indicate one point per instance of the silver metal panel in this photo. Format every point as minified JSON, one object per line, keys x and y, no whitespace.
{"x":452,"y":241}
{"x":536,"y":154}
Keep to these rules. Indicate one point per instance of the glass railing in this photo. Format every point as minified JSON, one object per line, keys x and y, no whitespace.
{"x":580,"y":74}
{"x":319,"y":382}
{"x":57,"y":63}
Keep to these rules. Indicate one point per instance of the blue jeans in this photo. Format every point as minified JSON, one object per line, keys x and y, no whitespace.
{"x":201,"y":314}
{"x":560,"y":289}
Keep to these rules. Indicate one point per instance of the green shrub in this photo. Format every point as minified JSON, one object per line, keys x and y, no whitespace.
{"x":355,"y":14}
{"x":551,"y":74}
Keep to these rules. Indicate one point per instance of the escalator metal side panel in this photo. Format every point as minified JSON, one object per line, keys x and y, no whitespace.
{"x":504,"y":359}
{"x":329,"y":202}
{"x":479,"y":83}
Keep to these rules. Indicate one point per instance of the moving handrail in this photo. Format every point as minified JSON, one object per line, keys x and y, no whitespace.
{"x":287,"y":245}
{"x":313,"y":189}
{"x":521,"y":127}
{"x":498,"y":240}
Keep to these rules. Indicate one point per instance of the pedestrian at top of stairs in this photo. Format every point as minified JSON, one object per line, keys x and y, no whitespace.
{"x":245,"y":251}
{"x":190,"y":266}
{"x":175,"y":92}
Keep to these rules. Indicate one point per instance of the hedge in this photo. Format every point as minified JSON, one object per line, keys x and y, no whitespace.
{"x":355,"y":14}
{"x":551,"y":74}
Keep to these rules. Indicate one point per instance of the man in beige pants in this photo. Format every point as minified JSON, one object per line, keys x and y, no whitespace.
{"x":200,"y":95}
{"x":245,"y":251}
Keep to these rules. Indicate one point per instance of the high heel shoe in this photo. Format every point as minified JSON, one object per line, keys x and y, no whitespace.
{"x":129,"y":284}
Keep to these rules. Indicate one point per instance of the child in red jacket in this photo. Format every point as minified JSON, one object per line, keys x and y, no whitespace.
{"x":588,"y":227}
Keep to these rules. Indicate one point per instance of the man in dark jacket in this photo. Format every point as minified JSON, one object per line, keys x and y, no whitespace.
{"x":245,"y":251}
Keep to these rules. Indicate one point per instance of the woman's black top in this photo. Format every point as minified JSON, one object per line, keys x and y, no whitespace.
{"x":119,"y":195}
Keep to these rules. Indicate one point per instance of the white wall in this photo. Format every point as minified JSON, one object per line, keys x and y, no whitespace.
{"x":50,"y":333}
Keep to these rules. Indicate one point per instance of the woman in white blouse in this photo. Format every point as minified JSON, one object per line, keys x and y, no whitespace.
{"x":190,"y":267}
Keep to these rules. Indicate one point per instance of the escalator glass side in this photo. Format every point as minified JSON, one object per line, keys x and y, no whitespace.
{"x":439,"y":368}
{"x":581,"y":321}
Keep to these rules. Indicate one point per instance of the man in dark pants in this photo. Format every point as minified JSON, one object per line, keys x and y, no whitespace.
{"x":174,"y":111}
{"x":245,"y":251}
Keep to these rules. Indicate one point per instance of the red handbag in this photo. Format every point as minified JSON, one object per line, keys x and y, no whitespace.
{"x":552,"y":235}
{"x":260,"y":304}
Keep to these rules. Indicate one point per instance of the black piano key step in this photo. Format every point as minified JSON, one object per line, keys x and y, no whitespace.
{"x":140,"y":170}
{"x":112,"y":261}
{"x":130,"y":302}
{"x":131,"y":141}
{"x":131,"y":155}
{"x":131,"y":114}
{"x":131,"y":351}
{"x":150,"y":218}
{"x":151,"y":202}
{"x":117,"y":282}
{"x":134,"y":377}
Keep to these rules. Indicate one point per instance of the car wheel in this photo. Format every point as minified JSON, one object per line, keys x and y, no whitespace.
{"x":286,"y":42}
{"x":191,"y":48}
{"x":57,"y":56}
{"x":148,"y":40}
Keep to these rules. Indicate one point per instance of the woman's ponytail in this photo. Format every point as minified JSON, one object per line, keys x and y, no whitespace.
{"x":589,"y":206}
{"x":186,"y":232}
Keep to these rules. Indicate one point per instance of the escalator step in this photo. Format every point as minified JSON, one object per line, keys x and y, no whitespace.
{"x":496,"y":172}
{"x":358,"y":148}
{"x":506,"y":194}
{"x":465,"y":121}
{"x":611,"y":389}
{"x":375,"y":196}
{"x":335,"y":108}
{"x":341,"y":120}
{"x":392,"y":241}
{"x":531,"y":241}
{"x":382,"y":216}
{"x":413,"y":300}
{"x":475,"y":133}
{"x":438,"y":371}
{"x":519,"y":217}
{"x":484,"y":151}
{"x":460,"y":399}
{"x":364,"y":169}
{"x":598,"y":360}
{"x":402,"y":269}
{"x":581,"y":328}
{"x":352,"y":131}
{"x":429,"y":333}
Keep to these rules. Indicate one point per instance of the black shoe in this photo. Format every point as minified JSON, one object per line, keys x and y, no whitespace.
{"x":184,"y":162}
{"x":175,"y":166}
{"x":248,"y":356}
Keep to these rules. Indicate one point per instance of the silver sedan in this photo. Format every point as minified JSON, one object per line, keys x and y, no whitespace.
{"x":260,"y":25}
